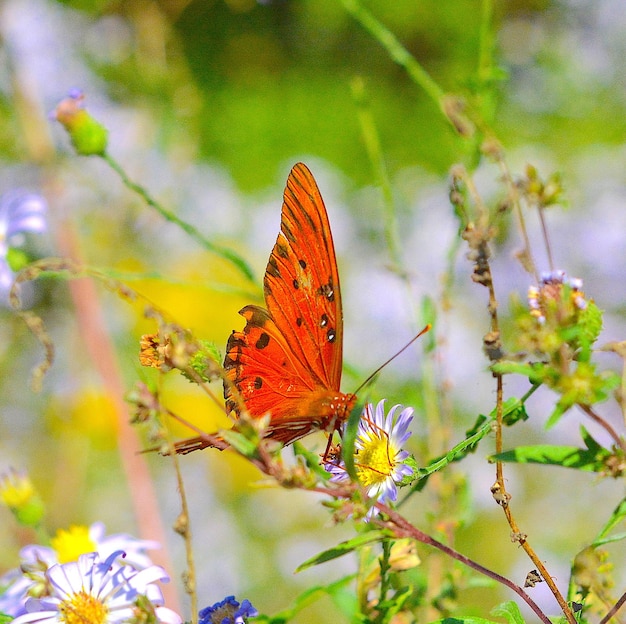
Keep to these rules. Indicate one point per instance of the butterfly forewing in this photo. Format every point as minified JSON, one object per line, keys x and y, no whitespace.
{"x":302,"y":282}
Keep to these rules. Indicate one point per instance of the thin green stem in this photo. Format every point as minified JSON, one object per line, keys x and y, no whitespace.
{"x":485,"y":53}
{"x":223,"y":252}
{"x":375,"y":154}
{"x":396,"y":50}
{"x":384,"y":573}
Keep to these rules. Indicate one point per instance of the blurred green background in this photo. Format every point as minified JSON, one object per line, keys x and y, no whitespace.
{"x":208,"y":105}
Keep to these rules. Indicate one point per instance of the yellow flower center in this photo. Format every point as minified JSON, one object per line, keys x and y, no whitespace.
{"x":373,"y":463}
{"x":70,"y":545}
{"x":83,"y":608}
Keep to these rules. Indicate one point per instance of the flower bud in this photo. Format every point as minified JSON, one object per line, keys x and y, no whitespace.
{"x":18,"y":493}
{"x":89,"y":136}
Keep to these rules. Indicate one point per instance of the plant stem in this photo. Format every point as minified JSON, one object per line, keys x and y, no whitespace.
{"x":396,"y":50}
{"x":223,"y":252}
{"x":184,"y":529}
{"x":406,"y":529}
{"x":375,"y":154}
{"x":614,"y":609}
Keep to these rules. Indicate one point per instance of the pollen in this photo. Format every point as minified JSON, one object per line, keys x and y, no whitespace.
{"x":81,"y":608}
{"x":374,"y":461}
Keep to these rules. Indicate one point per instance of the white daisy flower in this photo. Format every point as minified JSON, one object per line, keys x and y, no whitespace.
{"x":29,"y":579}
{"x":99,"y":592}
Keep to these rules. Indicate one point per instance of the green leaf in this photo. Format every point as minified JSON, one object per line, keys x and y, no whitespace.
{"x":408,"y":479}
{"x":618,"y":537}
{"x":464,"y":620}
{"x":17,"y":259}
{"x":458,"y":452}
{"x":536,"y":372}
{"x":560,"y":409}
{"x":394,"y":604}
{"x":345,"y":600}
{"x":590,"y":323}
{"x":510,"y":611}
{"x":565,"y":456}
{"x":619,"y":513}
{"x":343,"y":548}
{"x":240,"y":442}
{"x":349,"y":440}
{"x":513,"y":410}
{"x":312,"y":460}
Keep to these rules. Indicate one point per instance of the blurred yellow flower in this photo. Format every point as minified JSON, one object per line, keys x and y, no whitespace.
{"x":71,"y":544}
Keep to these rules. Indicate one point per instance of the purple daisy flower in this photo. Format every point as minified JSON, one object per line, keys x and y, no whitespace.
{"x":379,"y":458}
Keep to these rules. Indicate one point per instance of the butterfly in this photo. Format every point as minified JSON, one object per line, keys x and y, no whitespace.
{"x":287,"y":360}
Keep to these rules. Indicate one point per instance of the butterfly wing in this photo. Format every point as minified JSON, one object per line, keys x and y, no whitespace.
{"x":287,"y":361}
{"x":302,"y":282}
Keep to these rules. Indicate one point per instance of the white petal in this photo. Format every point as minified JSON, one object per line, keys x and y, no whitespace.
{"x":167,"y":616}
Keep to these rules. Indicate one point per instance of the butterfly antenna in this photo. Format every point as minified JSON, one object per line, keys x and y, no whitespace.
{"x":393,"y":357}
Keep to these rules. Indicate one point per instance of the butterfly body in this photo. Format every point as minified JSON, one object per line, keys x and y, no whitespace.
{"x":287,"y":360}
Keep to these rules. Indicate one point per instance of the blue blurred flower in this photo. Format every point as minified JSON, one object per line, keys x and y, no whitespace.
{"x":379,"y":458}
{"x":228,"y":611}
{"x":20,"y":212}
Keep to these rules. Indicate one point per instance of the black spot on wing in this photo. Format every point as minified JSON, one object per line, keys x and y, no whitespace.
{"x":263,"y":341}
{"x":327,"y":290}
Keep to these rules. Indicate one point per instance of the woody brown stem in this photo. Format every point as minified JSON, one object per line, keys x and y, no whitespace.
{"x":403,"y":528}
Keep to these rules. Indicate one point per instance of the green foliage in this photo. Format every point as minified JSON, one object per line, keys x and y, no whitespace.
{"x":343,"y":598}
{"x":367,"y":538}
{"x":593,"y":458}
{"x":509,"y":610}
{"x":203,"y":361}
{"x":17,"y":259}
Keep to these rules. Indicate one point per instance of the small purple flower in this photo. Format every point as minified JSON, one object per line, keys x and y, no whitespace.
{"x":228,"y":611}
{"x":20,"y":212}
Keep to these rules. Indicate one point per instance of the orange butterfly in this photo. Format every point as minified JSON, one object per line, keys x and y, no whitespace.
{"x":287,"y":361}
